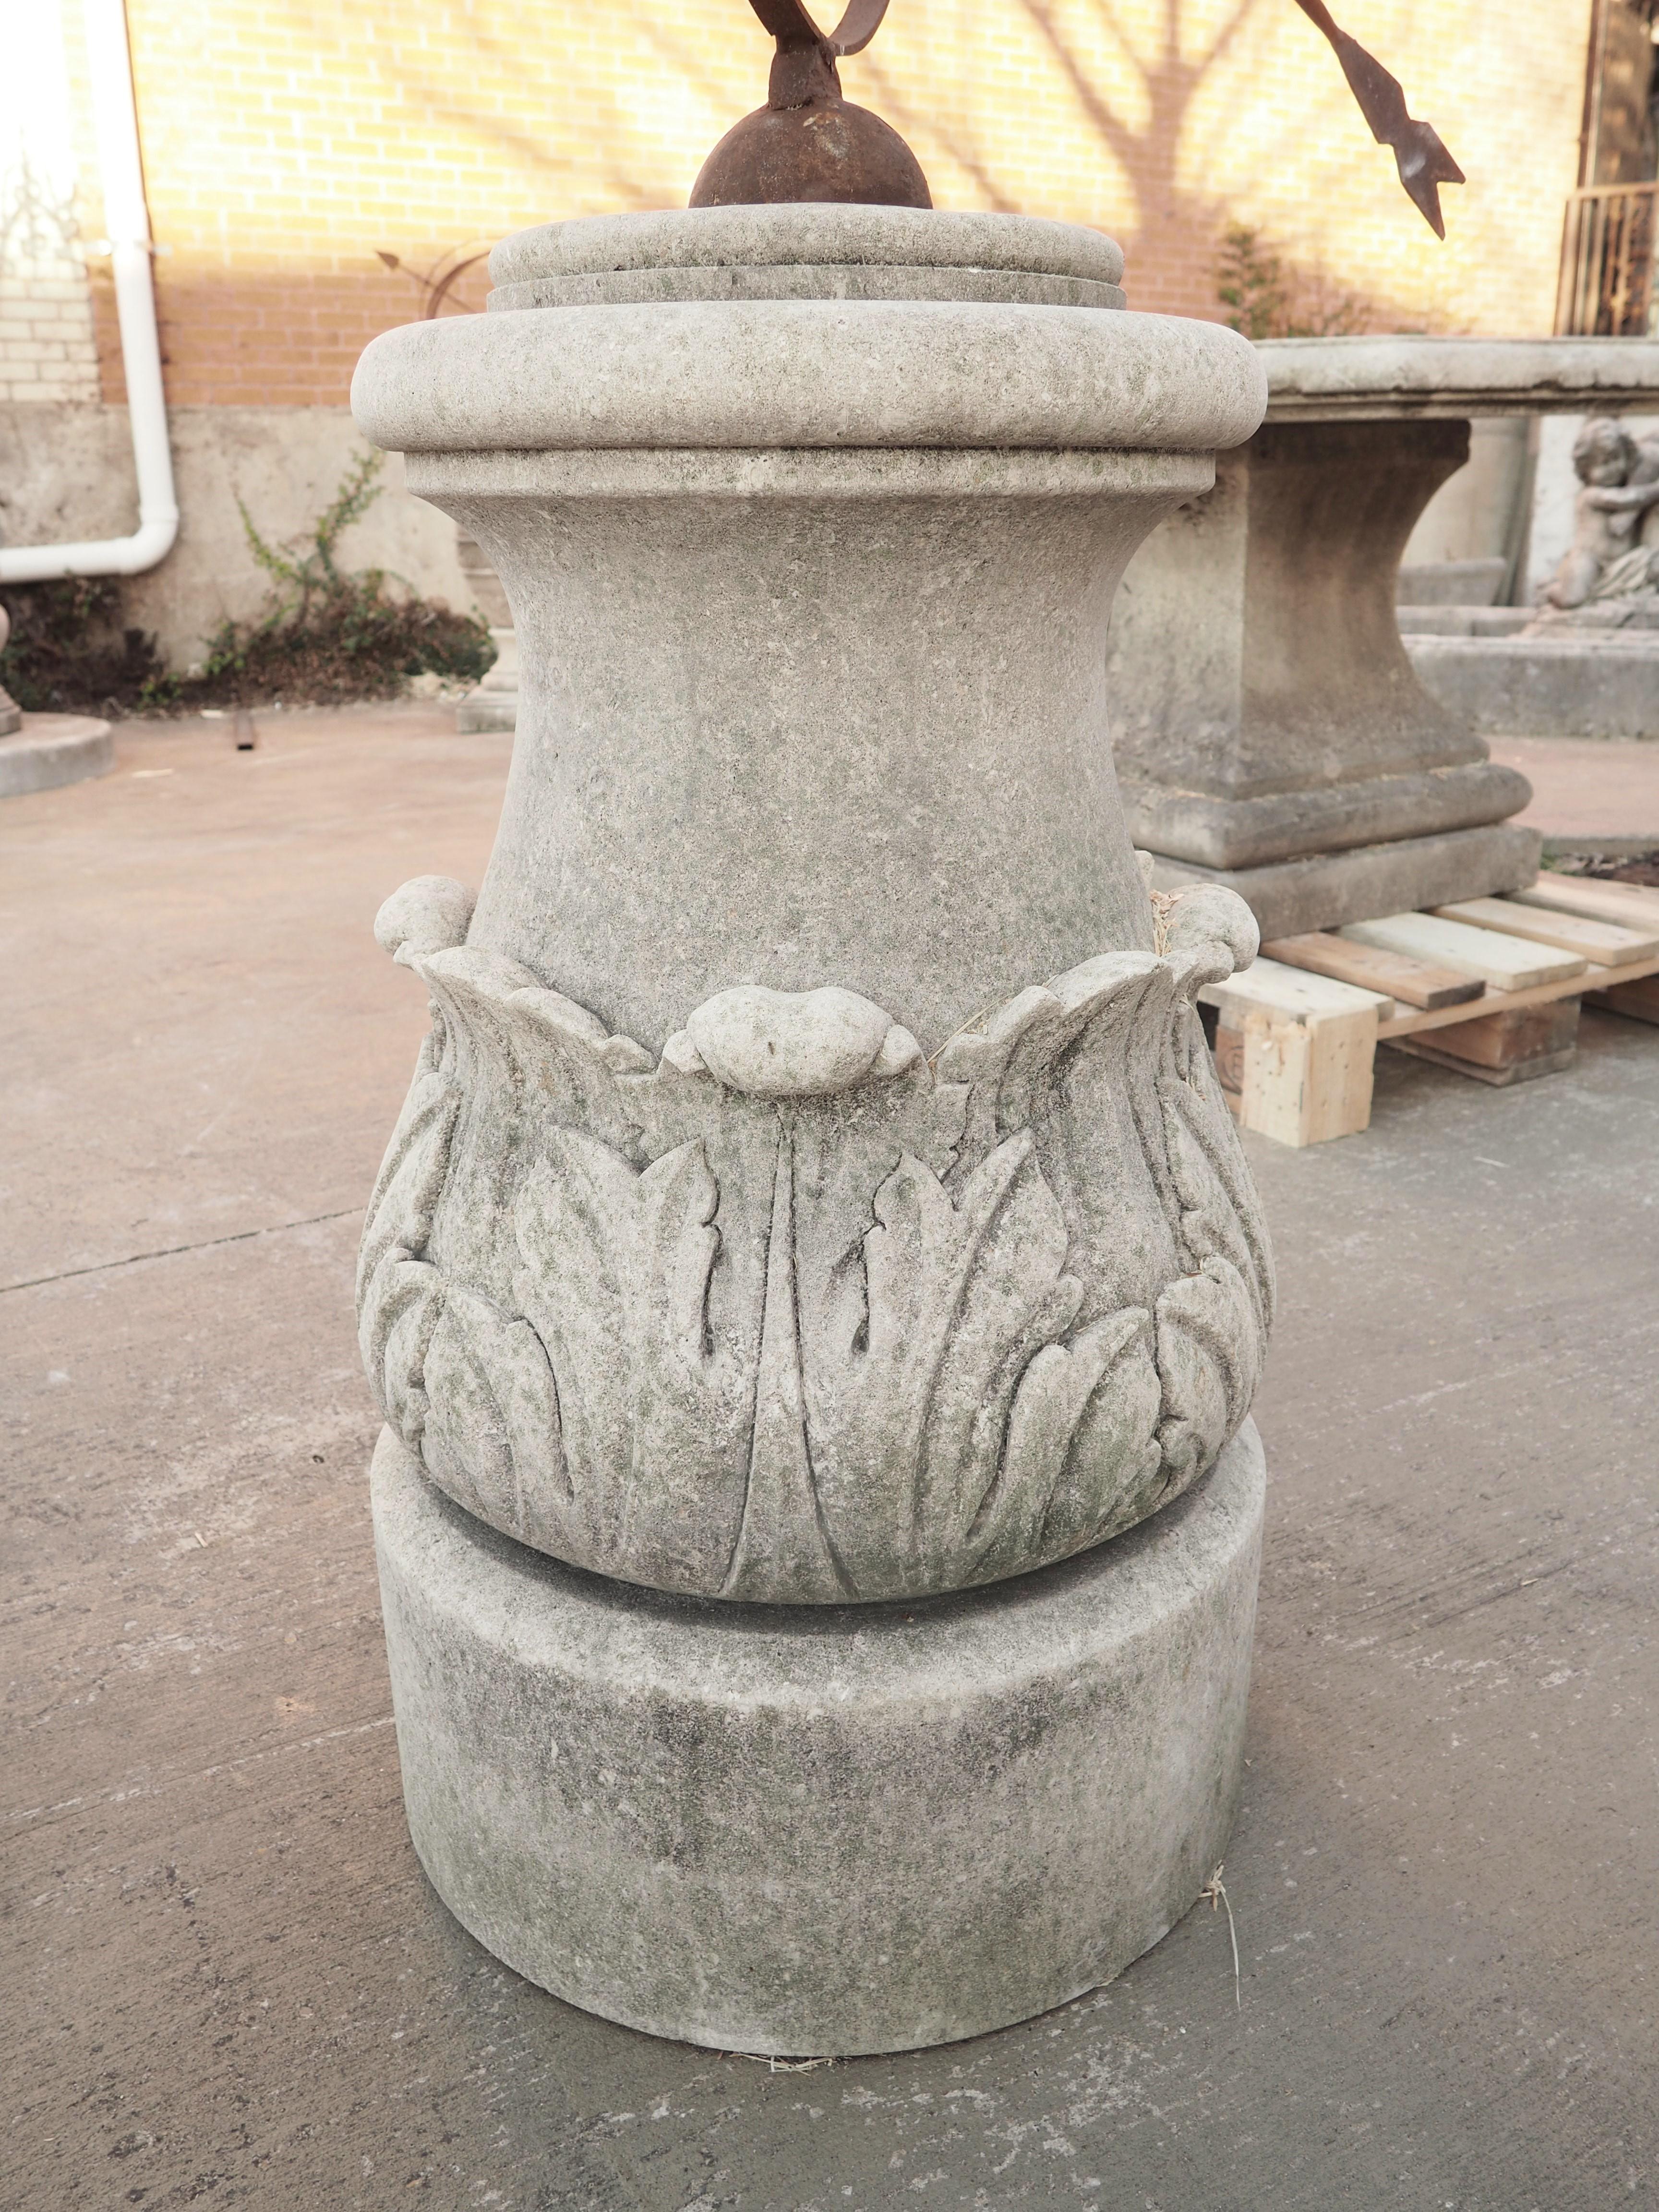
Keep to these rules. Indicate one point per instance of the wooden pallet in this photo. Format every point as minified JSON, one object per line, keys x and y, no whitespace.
{"x":1491,"y":987}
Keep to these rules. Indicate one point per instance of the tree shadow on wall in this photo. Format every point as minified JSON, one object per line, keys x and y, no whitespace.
{"x":1166,"y":216}
{"x":1180,"y":242}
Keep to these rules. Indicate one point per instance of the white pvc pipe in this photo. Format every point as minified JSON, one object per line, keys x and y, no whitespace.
{"x":115,"y":123}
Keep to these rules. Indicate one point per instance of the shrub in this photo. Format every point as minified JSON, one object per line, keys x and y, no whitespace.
{"x":68,"y":653}
{"x":1267,"y":300}
{"x":325,"y":635}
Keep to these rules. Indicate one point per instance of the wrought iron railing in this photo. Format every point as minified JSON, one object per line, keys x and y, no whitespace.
{"x":1607,"y":287}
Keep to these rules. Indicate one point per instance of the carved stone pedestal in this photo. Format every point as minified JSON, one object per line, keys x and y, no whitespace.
{"x":815,"y":1197}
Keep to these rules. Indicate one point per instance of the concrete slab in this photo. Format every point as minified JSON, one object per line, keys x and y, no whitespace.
{"x":1587,"y":789}
{"x":1600,"y":685}
{"x":228,"y":1979}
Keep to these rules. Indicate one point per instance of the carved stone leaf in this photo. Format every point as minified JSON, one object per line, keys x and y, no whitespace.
{"x":1210,"y":1351}
{"x":574,"y":1226}
{"x":843,"y":1151}
{"x":1211,"y":1176}
{"x":492,"y":1436}
{"x":411,"y":1176}
{"x":787,"y":1318}
{"x":397,"y":1294}
{"x":837,"y":1152}
{"x":1114,"y":1473}
{"x":1221,"y":1214}
{"x":528,"y":1061}
{"x":1080,"y":1444}
{"x":537,"y":1042}
{"x":909,"y":1415}
{"x":655,"y":1413}
{"x":1076,"y":1062}
{"x":405,"y":1297}
{"x":783,"y":1552}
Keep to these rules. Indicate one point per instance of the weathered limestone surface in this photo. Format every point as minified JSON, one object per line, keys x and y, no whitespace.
{"x":788,"y":252}
{"x":1271,"y":732}
{"x":886,"y":1827}
{"x":1585,"y":662}
{"x":815,"y":1188}
{"x":1572,"y":683}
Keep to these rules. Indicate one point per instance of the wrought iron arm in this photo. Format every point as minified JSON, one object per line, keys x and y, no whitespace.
{"x":792,"y":28}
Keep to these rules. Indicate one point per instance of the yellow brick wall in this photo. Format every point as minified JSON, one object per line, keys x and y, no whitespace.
{"x":285,"y":142}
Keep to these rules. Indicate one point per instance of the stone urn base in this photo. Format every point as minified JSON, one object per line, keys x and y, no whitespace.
{"x":821,"y":1830}
{"x":493,"y":703}
{"x":47,"y":749}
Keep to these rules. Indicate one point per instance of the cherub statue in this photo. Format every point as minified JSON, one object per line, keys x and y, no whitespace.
{"x":1621,"y":481}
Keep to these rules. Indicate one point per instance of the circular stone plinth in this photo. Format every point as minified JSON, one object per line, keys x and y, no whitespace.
{"x":54,"y":749}
{"x":825,"y":1830}
{"x":805,"y":252}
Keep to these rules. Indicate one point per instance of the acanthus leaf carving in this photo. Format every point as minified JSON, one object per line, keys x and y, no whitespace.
{"x":789,"y":1314}
{"x":399,"y":1294}
{"x":656,"y":1403}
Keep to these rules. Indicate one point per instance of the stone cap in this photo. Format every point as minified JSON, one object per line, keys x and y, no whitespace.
{"x":757,"y":375}
{"x":1383,"y":378}
{"x":805,"y":251}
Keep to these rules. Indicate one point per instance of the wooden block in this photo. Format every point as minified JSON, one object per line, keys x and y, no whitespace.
{"x":1632,"y":906}
{"x":1291,"y":991}
{"x":1228,"y":1050}
{"x":1638,"y":1002}
{"x":1413,"y":982}
{"x":1520,"y":1033}
{"x":1520,"y":1071}
{"x":1304,"y":1082}
{"x":1509,"y":962}
{"x":1606,"y":943}
{"x":1501,"y":1048}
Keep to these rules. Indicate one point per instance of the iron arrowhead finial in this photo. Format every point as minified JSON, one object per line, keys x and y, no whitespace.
{"x":1424,"y":163}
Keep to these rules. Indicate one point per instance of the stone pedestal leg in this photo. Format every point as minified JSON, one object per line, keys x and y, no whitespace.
{"x":1271,"y":733}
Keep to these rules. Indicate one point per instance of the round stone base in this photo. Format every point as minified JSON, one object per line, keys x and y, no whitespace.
{"x":53,"y":749}
{"x":820,"y":1830}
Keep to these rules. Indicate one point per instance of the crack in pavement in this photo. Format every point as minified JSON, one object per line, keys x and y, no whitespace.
{"x":172,"y":1251}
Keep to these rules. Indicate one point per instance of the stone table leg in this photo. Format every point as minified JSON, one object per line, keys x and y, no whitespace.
{"x":1270,"y":731}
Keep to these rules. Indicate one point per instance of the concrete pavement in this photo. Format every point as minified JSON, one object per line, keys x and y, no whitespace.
{"x":227,"y":1982}
{"x":1587,"y":787}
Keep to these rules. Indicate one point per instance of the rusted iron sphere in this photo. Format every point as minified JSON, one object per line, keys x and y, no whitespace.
{"x":807,"y":143}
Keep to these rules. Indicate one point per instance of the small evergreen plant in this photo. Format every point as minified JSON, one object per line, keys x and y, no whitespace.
{"x":1264,"y":299}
